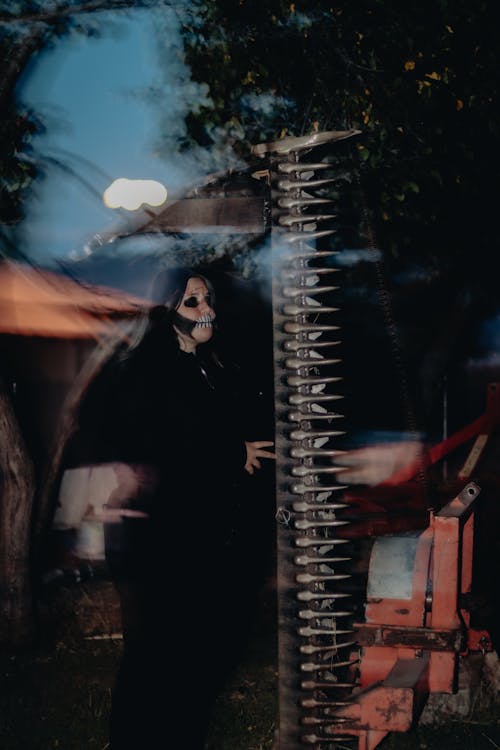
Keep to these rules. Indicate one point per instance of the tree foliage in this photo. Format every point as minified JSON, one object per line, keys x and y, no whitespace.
{"x":420,"y":81}
{"x":26,"y":28}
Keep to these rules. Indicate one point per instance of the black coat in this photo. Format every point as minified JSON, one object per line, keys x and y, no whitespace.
{"x":188,"y":574}
{"x":181,"y":417}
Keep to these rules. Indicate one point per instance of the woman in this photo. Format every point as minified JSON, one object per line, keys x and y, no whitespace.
{"x":175,"y":555}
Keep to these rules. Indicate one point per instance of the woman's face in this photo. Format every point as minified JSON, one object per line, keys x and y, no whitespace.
{"x":196,"y":306}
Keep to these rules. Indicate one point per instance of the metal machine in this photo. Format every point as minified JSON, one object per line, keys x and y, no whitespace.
{"x":348,"y":676}
{"x":373,"y":586}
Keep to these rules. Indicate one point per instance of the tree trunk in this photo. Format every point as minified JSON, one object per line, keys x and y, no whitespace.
{"x":17,"y":484}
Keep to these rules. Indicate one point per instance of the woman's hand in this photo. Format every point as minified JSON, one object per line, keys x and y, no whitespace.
{"x":254,"y":452}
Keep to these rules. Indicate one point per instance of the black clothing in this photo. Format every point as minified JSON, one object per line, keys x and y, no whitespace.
{"x":183,"y":572}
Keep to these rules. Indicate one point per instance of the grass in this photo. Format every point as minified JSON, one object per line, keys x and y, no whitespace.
{"x":58,"y":696}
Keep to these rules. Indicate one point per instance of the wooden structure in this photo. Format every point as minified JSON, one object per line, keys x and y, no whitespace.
{"x":49,"y":325}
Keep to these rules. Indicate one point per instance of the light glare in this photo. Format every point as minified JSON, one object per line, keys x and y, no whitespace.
{"x":132,"y":194}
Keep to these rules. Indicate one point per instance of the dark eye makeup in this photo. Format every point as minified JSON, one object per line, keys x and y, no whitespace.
{"x":194,"y":301}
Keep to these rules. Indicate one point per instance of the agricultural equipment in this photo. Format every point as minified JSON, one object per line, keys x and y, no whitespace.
{"x":350,"y":673}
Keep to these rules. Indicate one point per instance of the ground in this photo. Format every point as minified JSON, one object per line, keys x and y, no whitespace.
{"x":57,"y":695}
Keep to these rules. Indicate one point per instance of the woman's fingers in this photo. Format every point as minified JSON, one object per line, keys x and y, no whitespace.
{"x":258,"y":444}
{"x":254,"y":452}
{"x":265,"y":454}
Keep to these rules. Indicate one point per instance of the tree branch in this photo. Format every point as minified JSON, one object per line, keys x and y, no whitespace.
{"x":18,"y":57}
{"x":65,"y":11}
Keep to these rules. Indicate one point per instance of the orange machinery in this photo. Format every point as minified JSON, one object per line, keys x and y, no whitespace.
{"x":417,"y":623}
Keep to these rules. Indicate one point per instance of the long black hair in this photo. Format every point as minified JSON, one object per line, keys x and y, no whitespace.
{"x":157,"y":327}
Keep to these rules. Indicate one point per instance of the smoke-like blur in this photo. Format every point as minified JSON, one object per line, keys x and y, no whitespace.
{"x":171,"y":98}
{"x":376,"y":464}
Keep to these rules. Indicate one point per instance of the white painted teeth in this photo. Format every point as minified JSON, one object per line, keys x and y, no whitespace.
{"x":205,"y":321}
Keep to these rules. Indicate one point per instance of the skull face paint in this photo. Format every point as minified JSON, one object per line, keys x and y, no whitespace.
{"x":194,"y":315}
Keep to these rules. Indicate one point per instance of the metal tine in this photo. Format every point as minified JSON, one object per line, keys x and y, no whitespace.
{"x":334,"y":738}
{"x":325,"y":743}
{"x":314,"y":685}
{"x":305,"y":404}
{"x":302,"y":345}
{"x":310,"y":596}
{"x":293,"y":272}
{"x":317,"y":523}
{"x":313,"y":703}
{"x":305,"y":408}
{"x":292,"y":184}
{"x":294,"y":363}
{"x":305,"y":225}
{"x":306,"y":560}
{"x":288,"y":220}
{"x":308,"y":449}
{"x":309,"y":416}
{"x":304,"y":489}
{"x":286,"y":202}
{"x":307,"y":291}
{"x":303,"y":253}
{"x":300,"y":276}
{"x":309,"y":352}
{"x":312,"y":471}
{"x":295,"y":328}
{"x":309,"y":541}
{"x":330,"y":647}
{"x":297,"y":398}
{"x":308,"y":631}
{"x":296,"y":381}
{"x":319,"y":740}
{"x":322,"y":666}
{"x":291,"y":237}
{"x":292,"y":345}
{"x":319,"y":577}
{"x":288,"y":167}
{"x":301,"y":144}
{"x":331,"y":721}
{"x":315,"y":471}
{"x":307,"y":411}
{"x":314,"y":254}
{"x":318,"y":614}
{"x":311,"y":435}
{"x":308,"y":309}
{"x":299,"y":416}
{"x":332,"y":718}
{"x":307,"y":452}
{"x":304,"y":507}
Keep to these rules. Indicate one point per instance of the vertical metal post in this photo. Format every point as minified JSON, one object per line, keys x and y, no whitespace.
{"x":314,"y":642}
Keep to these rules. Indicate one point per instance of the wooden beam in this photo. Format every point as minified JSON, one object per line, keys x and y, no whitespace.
{"x":241,"y":215}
